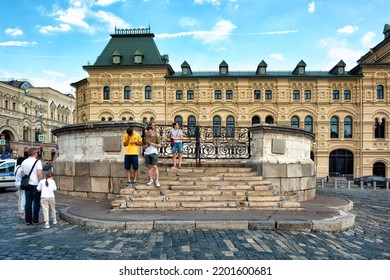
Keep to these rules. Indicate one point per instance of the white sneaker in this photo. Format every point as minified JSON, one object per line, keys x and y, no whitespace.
{"x":47,"y":225}
{"x":151,"y":183}
{"x":54,"y":222}
{"x":157,"y":183}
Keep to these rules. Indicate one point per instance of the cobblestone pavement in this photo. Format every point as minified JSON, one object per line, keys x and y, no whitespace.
{"x":369,"y":239}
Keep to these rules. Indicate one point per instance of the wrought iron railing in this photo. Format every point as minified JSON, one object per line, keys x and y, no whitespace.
{"x":209,"y":142}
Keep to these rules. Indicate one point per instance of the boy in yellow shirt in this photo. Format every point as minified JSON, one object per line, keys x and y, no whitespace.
{"x":131,"y":140}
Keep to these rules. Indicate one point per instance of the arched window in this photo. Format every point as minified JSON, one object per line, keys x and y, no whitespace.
{"x":191,"y":122}
{"x":269,"y":120}
{"x":348,"y":127}
{"x":380,"y":128}
{"x":295,"y":121}
{"x":380,"y":92}
{"x":379,"y":169}
{"x":126,"y":93}
{"x":217,"y":126}
{"x":148,"y":92}
{"x":334,"y":127}
{"x":255,"y":120}
{"x":109,"y":119}
{"x":309,"y":124}
{"x":103,"y":119}
{"x":230,"y":126}
{"x":179,"y":120}
{"x":106,"y":93}
{"x":341,"y":163}
{"x":145,"y":120}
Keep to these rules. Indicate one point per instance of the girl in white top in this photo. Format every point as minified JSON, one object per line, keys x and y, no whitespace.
{"x":47,"y":187}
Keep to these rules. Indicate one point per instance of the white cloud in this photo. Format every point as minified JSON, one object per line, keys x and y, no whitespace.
{"x":348,"y":29}
{"x":111,"y":19}
{"x":63,"y":27}
{"x":53,"y":73}
{"x":14,"y":31}
{"x":17,"y":44}
{"x":312,"y":7}
{"x":106,"y":2}
{"x":212,"y":2}
{"x":277,"y":56}
{"x":74,"y":16}
{"x":367,"y":40}
{"x":221,"y":31}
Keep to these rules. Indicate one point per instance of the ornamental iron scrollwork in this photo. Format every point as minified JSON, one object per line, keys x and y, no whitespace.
{"x":208,"y":142}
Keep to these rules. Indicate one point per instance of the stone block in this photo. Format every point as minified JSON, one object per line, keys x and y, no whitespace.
{"x":271,"y":170}
{"x":82,"y":184}
{"x":327,"y":225}
{"x":96,"y":195}
{"x":65,"y":183}
{"x":139,"y":225}
{"x":100,"y":184}
{"x":117,"y":184}
{"x":278,"y":146}
{"x":100,"y":169}
{"x":305,"y":226}
{"x":69,"y":168}
{"x":308,"y":170}
{"x":294,"y":170}
{"x":118,"y":170}
{"x":112,"y":144}
{"x":290,"y":185}
{"x":222,"y":224}
{"x":174,"y":225}
{"x":104,"y":224}
{"x":262,"y":225}
{"x":59,"y":168}
{"x":82,"y":169}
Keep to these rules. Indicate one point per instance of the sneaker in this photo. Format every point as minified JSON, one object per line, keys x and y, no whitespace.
{"x":173,"y":167}
{"x":47,"y":225}
{"x":55,"y":221}
{"x":157,"y":183}
{"x":128,"y":182}
{"x":151,"y":183}
{"x":135,"y":182}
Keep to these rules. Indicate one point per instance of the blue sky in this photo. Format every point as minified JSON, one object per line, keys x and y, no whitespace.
{"x":48,"y":42}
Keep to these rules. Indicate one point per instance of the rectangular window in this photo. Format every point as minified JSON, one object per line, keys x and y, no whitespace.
{"x":257,"y":95}
{"x":179,"y":95}
{"x":126,"y":93}
{"x":190,"y":95}
{"x":347,"y":94}
{"x":6,"y":104}
{"x":148,"y":92}
{"x":229,"y":95}
{"x":296,"y":95}
{"x":307,"y":94}
{"x":379,"y":92}
{"x":217,"y":95}
{"x":336,"y":95}
{"x":268,"y":94}
{"x":14,"y":106}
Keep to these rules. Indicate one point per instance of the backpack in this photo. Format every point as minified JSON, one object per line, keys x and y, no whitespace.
{"x":26,"y":179}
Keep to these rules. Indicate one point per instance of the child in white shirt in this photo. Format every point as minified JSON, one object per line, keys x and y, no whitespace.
{"x":47,"y":187}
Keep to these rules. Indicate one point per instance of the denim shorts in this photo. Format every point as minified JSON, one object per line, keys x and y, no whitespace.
{"x":131,"y":160}
{"x":177,"y":147}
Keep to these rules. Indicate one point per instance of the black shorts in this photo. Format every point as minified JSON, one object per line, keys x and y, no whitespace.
{"x":131,"y":160}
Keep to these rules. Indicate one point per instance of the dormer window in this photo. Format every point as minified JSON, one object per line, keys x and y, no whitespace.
{"x":261,"y":68}
{"x":341,"y":70}
{"x":300,"y":68}
{"x":186,"y":69}
{"x":338,"y":69}
{"x":138,"y":57}
{"x":223,"y":68}
{"x":116,"y":58}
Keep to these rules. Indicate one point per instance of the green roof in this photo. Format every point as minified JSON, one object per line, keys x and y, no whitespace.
{"x":127,"y":45}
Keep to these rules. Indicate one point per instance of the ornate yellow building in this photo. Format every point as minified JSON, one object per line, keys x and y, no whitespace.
{"x":27,"y":112}
{"x":347,"y":111}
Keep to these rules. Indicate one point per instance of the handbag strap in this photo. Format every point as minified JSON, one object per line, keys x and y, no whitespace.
{"x":16,"y":171}
{"x":32,"y":168}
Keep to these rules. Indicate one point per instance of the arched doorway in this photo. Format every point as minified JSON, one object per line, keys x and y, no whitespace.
{"x":341,"y":163}
{"x":379,"y":169}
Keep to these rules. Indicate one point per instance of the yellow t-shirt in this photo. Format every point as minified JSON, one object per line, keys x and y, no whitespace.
{"x":132,"y":148}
